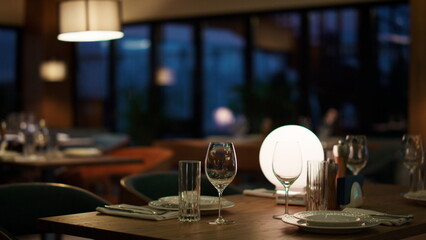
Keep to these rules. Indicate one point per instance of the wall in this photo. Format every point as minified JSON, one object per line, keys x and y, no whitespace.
{"x":49,"y":100}
{"x":417,"y":83}
{"x":12,"y":12}
{"x":147,"y":10}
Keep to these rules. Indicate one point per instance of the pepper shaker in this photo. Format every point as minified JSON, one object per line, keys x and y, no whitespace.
{"x":340,"y":152}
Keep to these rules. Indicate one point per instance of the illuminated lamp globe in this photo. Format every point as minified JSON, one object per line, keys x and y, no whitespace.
{"x":310,"y":146}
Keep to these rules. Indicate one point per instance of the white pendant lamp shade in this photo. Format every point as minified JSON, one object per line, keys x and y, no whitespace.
{"x":89,"y":20}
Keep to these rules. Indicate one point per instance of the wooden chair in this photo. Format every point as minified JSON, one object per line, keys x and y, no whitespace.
{"x":142,"y":188}
{"x":22,"y":203}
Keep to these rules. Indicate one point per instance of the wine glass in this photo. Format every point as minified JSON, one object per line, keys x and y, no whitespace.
{"x":221,"y":168}
{"x":412,"y":156}
{"x":287,"y":166}
{"x":358,"y":153}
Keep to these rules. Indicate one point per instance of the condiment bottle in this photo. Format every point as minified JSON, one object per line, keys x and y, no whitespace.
{"x":340,"y":152}
{"x":332,"y":169}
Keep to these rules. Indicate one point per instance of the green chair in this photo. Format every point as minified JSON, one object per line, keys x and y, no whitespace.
{"x":21,"y":204}
{"x":143,"y":188}
{"x":5,"y":235}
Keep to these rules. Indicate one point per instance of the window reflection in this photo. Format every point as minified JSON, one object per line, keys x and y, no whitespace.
{"x":92,"y":83}
{"x":175,"y":72}
{"x":8,"y":78}
{"x":275,"y":92}
{"x":223,"y":70}
{"x":303,"y":64}
{"x":132,"y":79}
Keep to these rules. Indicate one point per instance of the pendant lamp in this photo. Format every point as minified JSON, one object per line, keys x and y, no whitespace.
{"x":89,"y":20}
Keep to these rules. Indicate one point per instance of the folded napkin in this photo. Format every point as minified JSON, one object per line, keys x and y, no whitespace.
{"x":294,"y":198}
{"x":260,"y":192}
{"x":383,"y":218}
{"x":148,"y":216}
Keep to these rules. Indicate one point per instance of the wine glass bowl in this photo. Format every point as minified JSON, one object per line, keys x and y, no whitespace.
{"x":411,"y":153}
{"x":287,"y":166}
{"x":221,"y":168}
{"x":358,"y":153}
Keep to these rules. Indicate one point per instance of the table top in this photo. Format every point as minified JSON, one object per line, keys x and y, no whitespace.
{"x":253,"y":216}
{"x":55,"y":162}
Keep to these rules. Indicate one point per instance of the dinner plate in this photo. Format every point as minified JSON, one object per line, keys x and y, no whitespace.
{"x":9,"y":155}
{"x":207,"y":203}
{"x":304,"y":225}
{"x":332,"y":218}
{"x":82,"y":152}
{"x":419,"y":196}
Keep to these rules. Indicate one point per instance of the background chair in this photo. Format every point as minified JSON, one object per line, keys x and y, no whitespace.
{"x":142,"y":188}
{"x":22,"y":203}
{"x":104,"y":180}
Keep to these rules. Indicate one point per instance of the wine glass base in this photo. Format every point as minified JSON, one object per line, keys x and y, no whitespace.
{"x":221,"y":222}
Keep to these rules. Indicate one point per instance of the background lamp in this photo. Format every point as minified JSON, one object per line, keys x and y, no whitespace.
{"x":53,"y":71}
{"x":310,"y":147}
{"x":89,"y":20}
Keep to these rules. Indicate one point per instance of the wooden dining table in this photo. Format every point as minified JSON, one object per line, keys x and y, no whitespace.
{"x":253,"y":220}
{"x":47,"y":165}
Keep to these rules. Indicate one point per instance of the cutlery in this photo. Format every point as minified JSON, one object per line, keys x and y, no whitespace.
{"x":377,"y":214}
{"x":392,"y":215}
{"x":135,"y":209}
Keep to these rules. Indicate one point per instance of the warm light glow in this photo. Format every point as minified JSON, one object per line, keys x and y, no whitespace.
{"x":310,"y":146}
{"x":165,"y":76}
{"x":87,"y":21}
{"x":90,"y":36}
{"x":53,"y":71}
{"x":223,"y":117}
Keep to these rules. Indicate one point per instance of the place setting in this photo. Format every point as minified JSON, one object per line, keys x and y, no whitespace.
{"x":189,"y":204}
{"x":208,"y":204}
{"x":333,"y":199}
{"x":331,"y":221}
{"x":412,"y":156}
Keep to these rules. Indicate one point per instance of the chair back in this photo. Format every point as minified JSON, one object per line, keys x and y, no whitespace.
{"x":151,"y":186}
{"x":22,"y":203}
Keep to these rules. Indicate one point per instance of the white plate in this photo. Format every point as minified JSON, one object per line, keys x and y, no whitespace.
{"x":332,"y":218}
{"x":82,"y":152}
{"x":302,"y":224}
{"x":419,"y":196}
{"x":207,"y":203}
{"x":9,"y":155}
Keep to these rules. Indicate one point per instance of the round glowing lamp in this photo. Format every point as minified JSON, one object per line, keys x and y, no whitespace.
{"x":310,"y":146}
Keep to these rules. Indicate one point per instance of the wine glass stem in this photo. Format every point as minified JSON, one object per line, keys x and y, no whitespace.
{"x":413,"y":182}
{"x":220,"y":205}
{"x":286,"y":188}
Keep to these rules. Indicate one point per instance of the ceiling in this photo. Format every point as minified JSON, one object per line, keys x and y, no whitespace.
{"x":12,"y":11}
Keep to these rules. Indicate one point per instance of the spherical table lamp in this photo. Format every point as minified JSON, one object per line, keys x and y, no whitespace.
{"x":310,"y":147}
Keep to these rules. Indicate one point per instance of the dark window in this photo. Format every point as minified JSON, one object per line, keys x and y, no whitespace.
{"x":132,"y":80}
{"x":8,"y":69}
{"x":223,"y":74}
{"x":346,"y":67}
{"x":92,"y":84}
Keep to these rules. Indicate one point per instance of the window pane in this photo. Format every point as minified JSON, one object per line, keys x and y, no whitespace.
{"x":393,"y":46}
{"x":92,"y":83}
{"x":132,"y":77}
{"x":335,"y":69}
{"x":8,"y":82}
{"x":223,"y":72}
{"x":174,"y":75}
{"x":275,"y":93}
